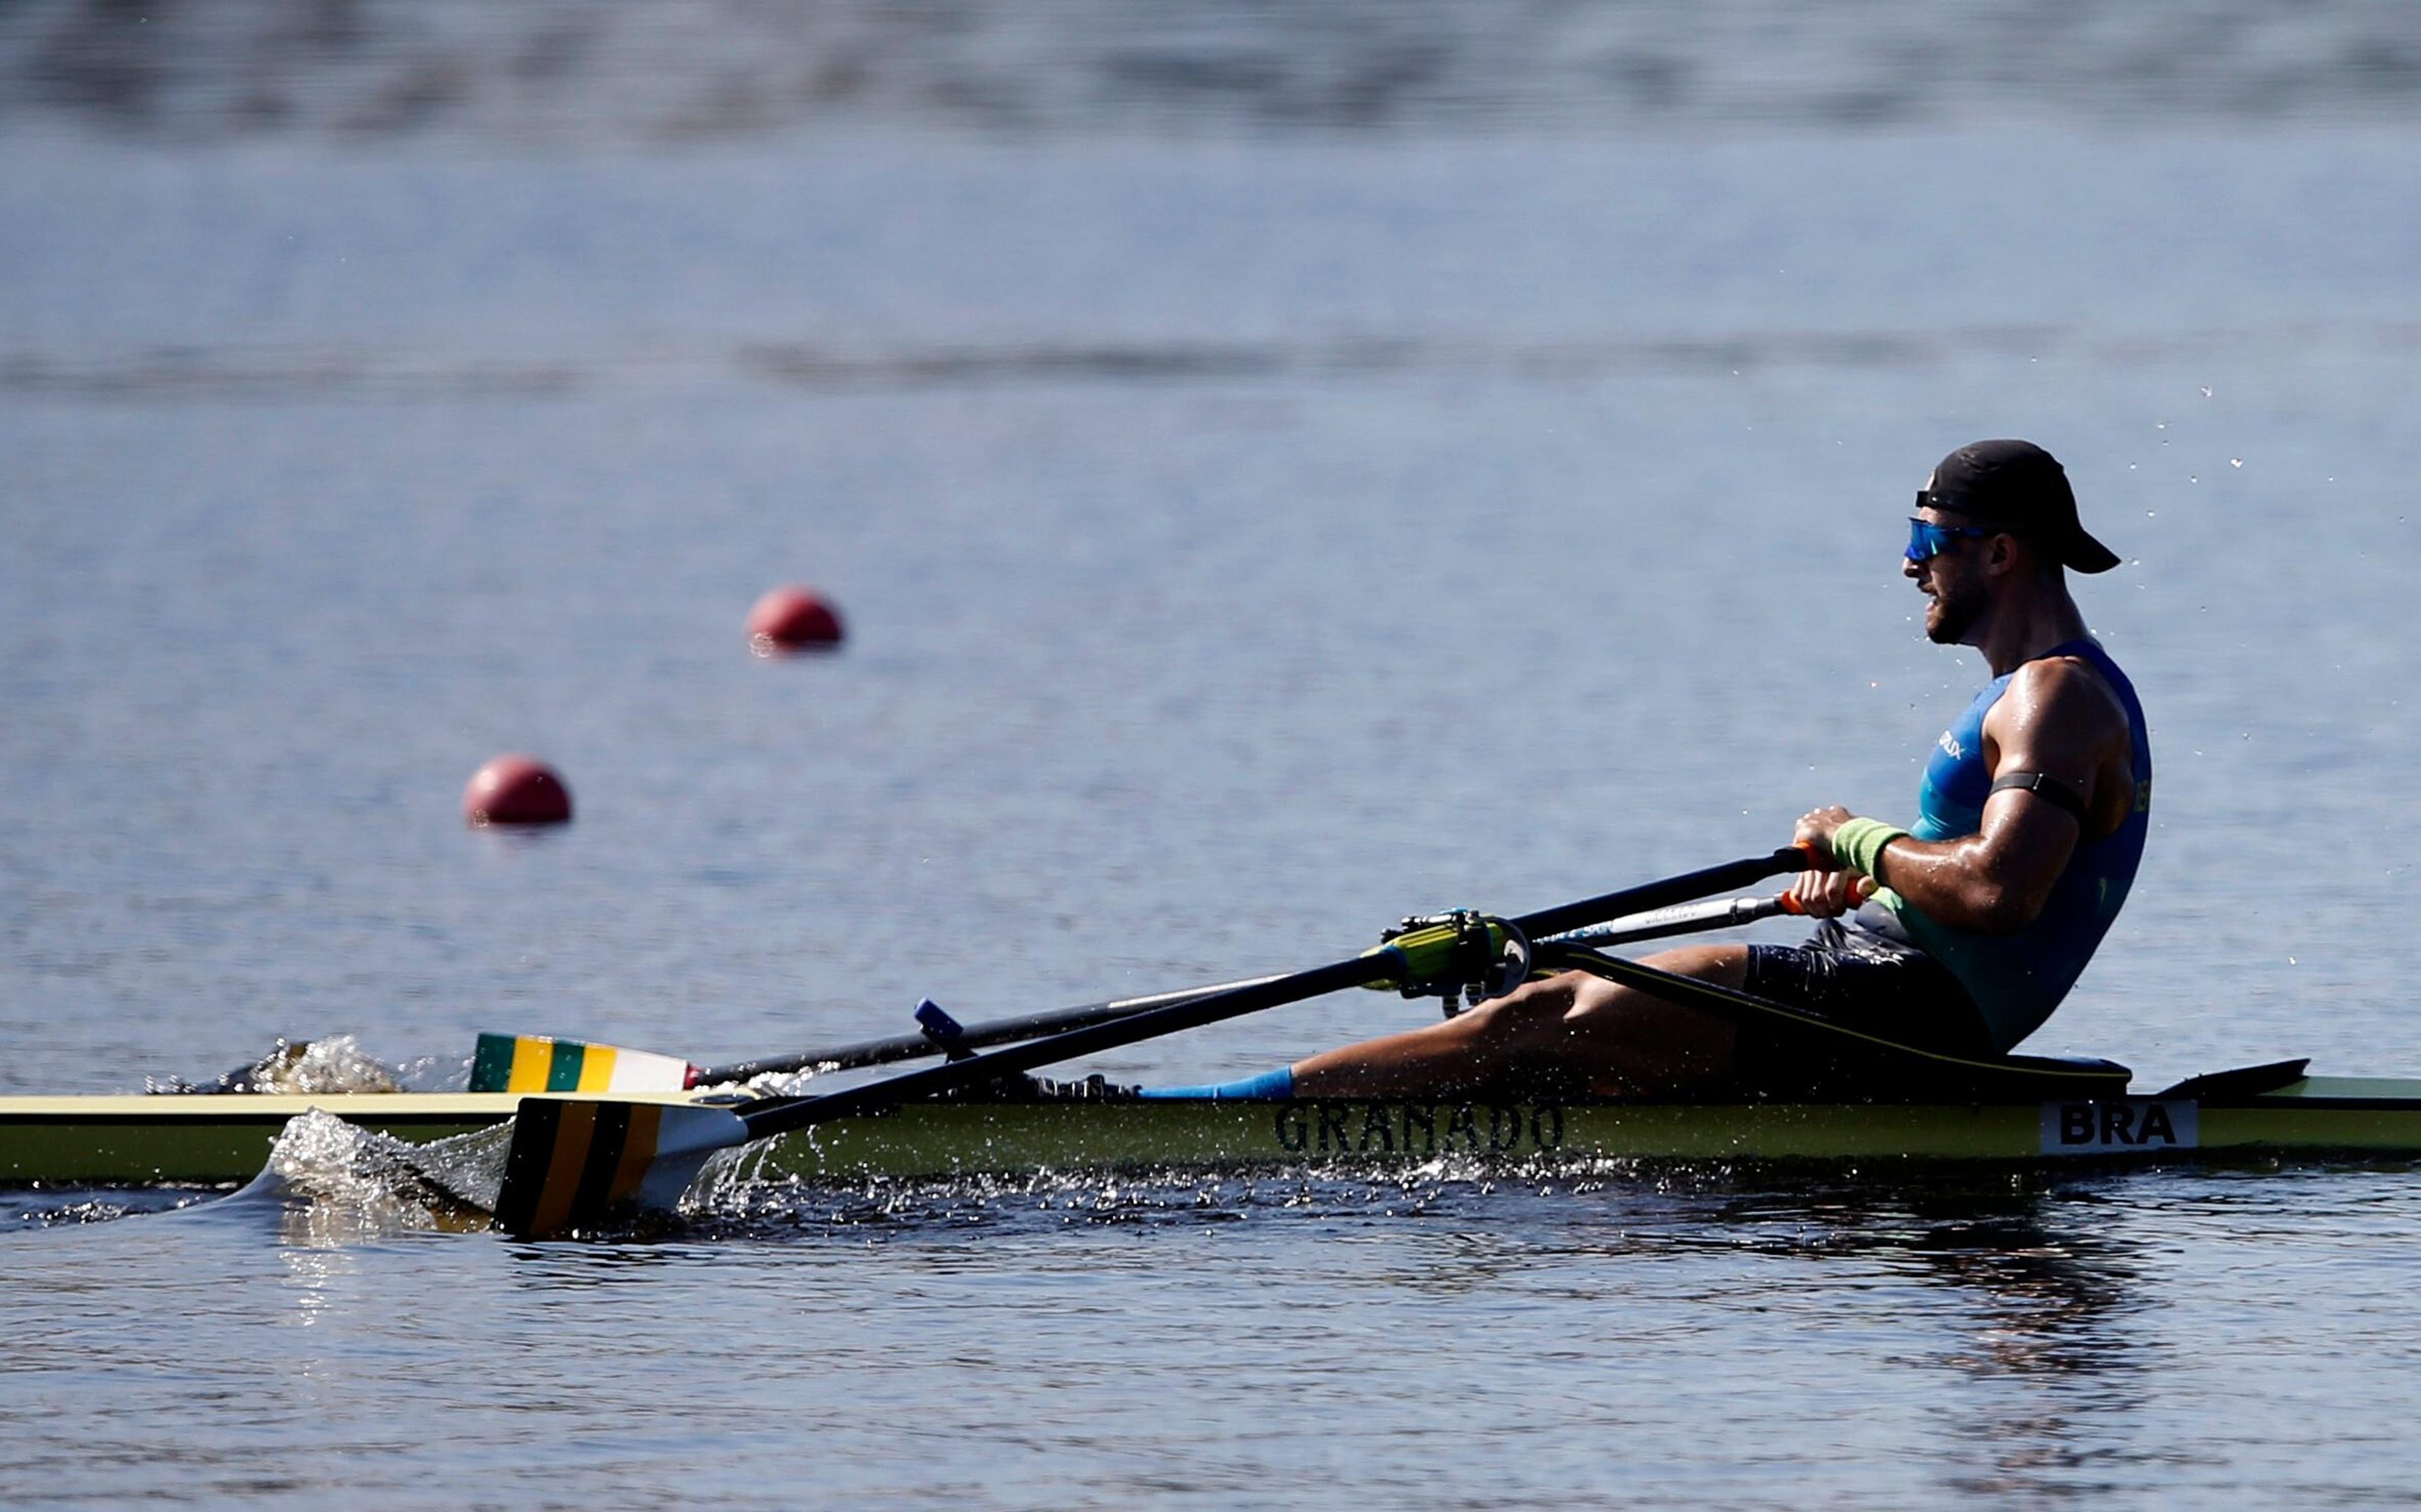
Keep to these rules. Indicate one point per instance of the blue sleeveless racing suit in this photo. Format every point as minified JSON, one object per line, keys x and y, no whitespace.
{"x":2016,"y":979}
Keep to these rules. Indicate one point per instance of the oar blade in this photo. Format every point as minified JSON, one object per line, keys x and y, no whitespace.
{"x":578,"y":1162}
{"x":535,"y":1062}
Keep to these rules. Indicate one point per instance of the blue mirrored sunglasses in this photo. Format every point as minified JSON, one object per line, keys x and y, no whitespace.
{"x":1926,"y":540}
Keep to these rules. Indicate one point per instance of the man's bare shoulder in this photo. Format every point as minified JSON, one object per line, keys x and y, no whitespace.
{"x":2063,"y":693}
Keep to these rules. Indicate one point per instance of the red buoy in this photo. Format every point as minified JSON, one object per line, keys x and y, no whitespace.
{"x":792,"y":619}
{"x":516,"y":789}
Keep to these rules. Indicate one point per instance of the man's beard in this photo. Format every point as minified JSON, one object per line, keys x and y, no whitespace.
{"x":1958,"y":605}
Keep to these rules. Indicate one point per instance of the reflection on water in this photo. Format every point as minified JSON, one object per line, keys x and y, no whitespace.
{"x":2050,"y":1291}
{"x":2046,"y":1280}
{"x":2028,"y":1294}
{"x":2042,"y":1295}
{"x":629,"y":68}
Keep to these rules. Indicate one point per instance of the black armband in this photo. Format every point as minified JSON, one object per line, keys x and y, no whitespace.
{"x":2051,"y":789}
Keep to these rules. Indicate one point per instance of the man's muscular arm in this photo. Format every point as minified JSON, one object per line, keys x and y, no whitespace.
{"x":2057,"y":719}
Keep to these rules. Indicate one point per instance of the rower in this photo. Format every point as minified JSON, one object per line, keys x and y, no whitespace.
{"x":1960,"y":934}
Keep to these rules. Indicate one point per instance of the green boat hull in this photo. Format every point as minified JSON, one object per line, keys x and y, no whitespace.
{"x":217,"y":1139}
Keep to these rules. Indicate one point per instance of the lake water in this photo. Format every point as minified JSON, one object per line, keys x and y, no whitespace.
{"x":1254,"y":522}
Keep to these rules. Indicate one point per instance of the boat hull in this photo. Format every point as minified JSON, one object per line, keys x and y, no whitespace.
{"x":213,"y":1139}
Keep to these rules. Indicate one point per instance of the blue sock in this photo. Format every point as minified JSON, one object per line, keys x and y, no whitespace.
{"x":1266,"y":1088}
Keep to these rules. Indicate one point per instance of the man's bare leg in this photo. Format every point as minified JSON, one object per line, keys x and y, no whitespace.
{"x":1563,"y":1035}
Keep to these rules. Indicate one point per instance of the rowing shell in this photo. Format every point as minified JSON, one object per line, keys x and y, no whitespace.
{"x":204,"y":1139}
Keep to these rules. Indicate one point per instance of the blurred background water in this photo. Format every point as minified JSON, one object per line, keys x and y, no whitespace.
{"x":619,"y":71}
{"x":1283,"y":467}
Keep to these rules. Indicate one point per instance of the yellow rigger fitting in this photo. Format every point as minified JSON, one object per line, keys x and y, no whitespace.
{"x":1428,"y":954}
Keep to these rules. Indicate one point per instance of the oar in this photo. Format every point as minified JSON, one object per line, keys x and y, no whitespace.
{"x":575,"y":1162}
{"x":1686,"y":918}
{"x":535,"y":1063}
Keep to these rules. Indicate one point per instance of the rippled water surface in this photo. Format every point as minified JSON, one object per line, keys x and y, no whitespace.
{"x":1255,"y":520}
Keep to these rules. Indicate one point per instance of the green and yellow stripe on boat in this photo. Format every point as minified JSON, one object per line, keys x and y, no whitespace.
{"x":535,"y":1062}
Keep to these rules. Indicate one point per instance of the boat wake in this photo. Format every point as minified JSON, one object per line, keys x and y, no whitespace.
{"x":328,"y":1183}
{"x":43,"y":1208}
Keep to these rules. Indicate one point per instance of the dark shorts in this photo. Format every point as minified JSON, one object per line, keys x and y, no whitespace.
{"x":1861,"y":978}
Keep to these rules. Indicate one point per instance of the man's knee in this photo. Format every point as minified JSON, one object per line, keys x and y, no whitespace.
{"x":1531,"y":1010}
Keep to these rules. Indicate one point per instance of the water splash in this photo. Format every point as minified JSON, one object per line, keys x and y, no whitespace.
{"x":333,"y":1064}
{"x":740,"y":1194}
{"x":779,"y":1083}
{"x":337,"y":1183}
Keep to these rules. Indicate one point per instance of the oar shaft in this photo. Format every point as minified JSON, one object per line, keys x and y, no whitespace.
{"x":983,"y":1036}
{"x":782,"y":1114}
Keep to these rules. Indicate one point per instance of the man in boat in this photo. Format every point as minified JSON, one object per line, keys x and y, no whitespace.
{"x":1960,"y":934}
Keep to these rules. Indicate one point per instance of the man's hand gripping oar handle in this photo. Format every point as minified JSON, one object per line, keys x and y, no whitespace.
{"x":1690,"y":919}
{"x":575,"y":1162}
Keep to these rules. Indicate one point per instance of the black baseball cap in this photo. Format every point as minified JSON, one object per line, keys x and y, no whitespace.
{"x":2021,"y":488}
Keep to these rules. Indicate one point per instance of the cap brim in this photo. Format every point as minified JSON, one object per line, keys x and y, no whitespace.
{"x":2086,"y":555}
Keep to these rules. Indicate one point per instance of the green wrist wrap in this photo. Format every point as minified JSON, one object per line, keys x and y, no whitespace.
{"x":1859,"y":844}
